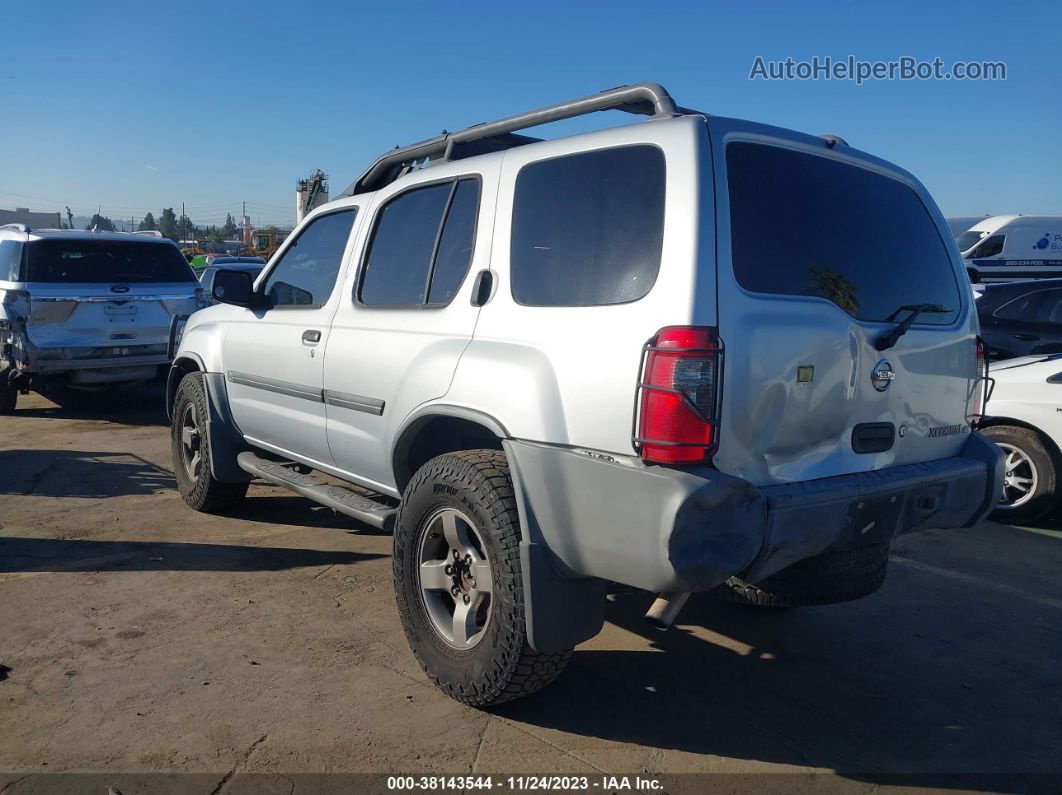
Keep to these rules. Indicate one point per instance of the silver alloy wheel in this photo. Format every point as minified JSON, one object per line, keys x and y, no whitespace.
{"x":454,"y":578}
{"x":191,"y":441}
{"x":1021,"y":479}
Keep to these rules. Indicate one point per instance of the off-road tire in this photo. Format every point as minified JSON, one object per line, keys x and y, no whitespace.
{"x":837,"y":575}
{"x":502,"y":666}
{"x":1045,"y":497}
{"x":204,"y":493}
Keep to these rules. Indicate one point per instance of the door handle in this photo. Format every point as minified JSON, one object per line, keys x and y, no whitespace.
{"x":311,"y":336}
{"x":1026,"y":337}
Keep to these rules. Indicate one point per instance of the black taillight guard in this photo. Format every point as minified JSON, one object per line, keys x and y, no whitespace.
{"x":717,"y":351}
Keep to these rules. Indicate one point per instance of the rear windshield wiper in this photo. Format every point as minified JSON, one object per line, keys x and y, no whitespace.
{"x":890,"y":338}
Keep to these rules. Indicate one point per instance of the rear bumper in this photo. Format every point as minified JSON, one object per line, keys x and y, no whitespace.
{"x":665,"y":529}
{"x":98,"y":363}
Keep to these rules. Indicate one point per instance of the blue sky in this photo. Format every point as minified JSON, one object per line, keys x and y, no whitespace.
{"x":136,"y":106}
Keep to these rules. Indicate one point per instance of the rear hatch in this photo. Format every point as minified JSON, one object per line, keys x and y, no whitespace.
{"x":819,"y":247}
{"x":105,"y":297}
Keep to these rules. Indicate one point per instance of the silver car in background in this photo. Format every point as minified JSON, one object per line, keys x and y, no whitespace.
{"x":85,"y":309}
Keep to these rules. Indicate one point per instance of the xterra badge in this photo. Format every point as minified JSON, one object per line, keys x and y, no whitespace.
{"x":882,"y":375}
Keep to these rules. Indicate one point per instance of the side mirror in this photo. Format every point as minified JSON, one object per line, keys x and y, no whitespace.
{"x":974,"y":274}
{"x":233,"y":287}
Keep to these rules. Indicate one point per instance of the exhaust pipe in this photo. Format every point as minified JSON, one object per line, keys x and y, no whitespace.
{"x":665,"y":609}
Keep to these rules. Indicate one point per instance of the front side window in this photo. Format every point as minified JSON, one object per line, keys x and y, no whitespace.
{"x":989,"y":247}
{"x":72,"y":261}
{"x":1050,"y":309}
{"x":421,"y":246}
{"x":307,"y":270}
{"x":588,"y":228}
{"x":811,"y":225}
{"x":1023,"y":308}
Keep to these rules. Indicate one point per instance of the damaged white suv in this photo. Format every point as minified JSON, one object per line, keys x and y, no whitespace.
{"x":84,"y":310}
{"x":683,"y":354}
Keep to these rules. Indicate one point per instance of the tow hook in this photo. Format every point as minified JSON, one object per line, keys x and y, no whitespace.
{"x":665,"y":609}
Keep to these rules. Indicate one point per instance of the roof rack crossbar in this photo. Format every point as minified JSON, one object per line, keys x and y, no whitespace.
{"x":645,"y":99}
{"x":17,"y":227}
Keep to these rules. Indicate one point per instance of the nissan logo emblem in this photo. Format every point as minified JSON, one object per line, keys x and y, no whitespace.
{"x":882,"y":375}
{"x":119,"y":288}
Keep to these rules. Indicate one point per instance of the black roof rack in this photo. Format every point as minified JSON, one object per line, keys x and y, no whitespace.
{"x":645,"y":99}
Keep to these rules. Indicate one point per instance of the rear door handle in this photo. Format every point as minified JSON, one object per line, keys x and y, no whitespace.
{"x":1026,"y":337}
{"x":311,"y":336}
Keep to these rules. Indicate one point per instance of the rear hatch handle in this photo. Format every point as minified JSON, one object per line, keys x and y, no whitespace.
{"x":890,"y":338}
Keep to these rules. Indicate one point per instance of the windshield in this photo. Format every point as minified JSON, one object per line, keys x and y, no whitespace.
{"x":803,"y":224}
{"x":69,"y":261}
{"x":968,"y":239}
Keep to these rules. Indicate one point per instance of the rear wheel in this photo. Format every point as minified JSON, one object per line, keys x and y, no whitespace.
{"x":1029,"y":482}
{"x":190,"y":447}
{"x":458,"y":581}
{"x":837,"y":575}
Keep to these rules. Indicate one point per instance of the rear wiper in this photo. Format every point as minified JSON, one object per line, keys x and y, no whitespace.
{"x":887,"y":340}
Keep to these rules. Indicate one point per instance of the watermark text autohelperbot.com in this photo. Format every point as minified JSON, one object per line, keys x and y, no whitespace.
{"x":851,"y":68}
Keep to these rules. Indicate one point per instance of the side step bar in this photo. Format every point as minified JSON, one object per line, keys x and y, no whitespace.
{"x":338,"y":498}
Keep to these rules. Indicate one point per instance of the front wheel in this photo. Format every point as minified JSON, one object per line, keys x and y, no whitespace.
{"x":190,"y":448}
{"x":458,"y":581}
{"x":1029,"y":482}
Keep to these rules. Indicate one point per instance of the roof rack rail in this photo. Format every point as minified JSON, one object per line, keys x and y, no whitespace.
{"x":645,"y":99}
{"x":147,"y":232}
{"x":17,"y":227}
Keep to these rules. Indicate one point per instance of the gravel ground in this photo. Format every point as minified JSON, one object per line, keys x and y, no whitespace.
{"x":139,"y":637}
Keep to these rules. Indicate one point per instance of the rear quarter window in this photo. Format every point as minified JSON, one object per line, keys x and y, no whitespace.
{"x":588,"y":228}
{"x":808,"y":225}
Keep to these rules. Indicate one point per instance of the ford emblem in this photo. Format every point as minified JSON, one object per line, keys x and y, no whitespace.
{"x":119,"y":288}
{"x":882,"y":375}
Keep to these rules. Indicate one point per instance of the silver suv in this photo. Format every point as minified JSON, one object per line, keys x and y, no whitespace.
{"x":686,"y":354}
{"x":86,"y":309}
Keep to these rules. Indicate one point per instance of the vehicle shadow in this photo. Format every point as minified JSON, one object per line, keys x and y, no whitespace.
{"x":79,"y":473}
{"x":937,"y":674}
{"x":292,"y":509}
{"x":131,"y":405}
{"x":67,"y":555}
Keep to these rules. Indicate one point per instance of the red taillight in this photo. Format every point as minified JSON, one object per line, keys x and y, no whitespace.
{"x":677,"y":422}
{"x":979,"y":397}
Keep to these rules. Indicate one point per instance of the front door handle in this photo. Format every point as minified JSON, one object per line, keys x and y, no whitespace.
{"x":311,"y":336}
{"x":1026,"y":337}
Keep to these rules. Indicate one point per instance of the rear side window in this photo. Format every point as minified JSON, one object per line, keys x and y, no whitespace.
{"x":802,"y":224}
{"x":989,"y":247}
{"x":422,"y":246}
{"x":10,"y":259}
{"x":98,"y":261}
{"x":588,"y":228}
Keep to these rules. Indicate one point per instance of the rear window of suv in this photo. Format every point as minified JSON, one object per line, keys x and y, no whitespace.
{"x":94,"y":261}
{"x":802,"y":224}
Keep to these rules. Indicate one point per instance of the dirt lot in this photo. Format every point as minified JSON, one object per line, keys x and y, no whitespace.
{"x":139,"y":636}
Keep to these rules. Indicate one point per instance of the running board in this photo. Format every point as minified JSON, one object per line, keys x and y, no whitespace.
{"x":338,"y":498}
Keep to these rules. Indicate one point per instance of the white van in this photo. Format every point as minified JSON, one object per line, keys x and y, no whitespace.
{"x":1013,"y":247}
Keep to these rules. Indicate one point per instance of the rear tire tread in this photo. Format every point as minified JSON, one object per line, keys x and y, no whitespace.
{"x":515,"y":669}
